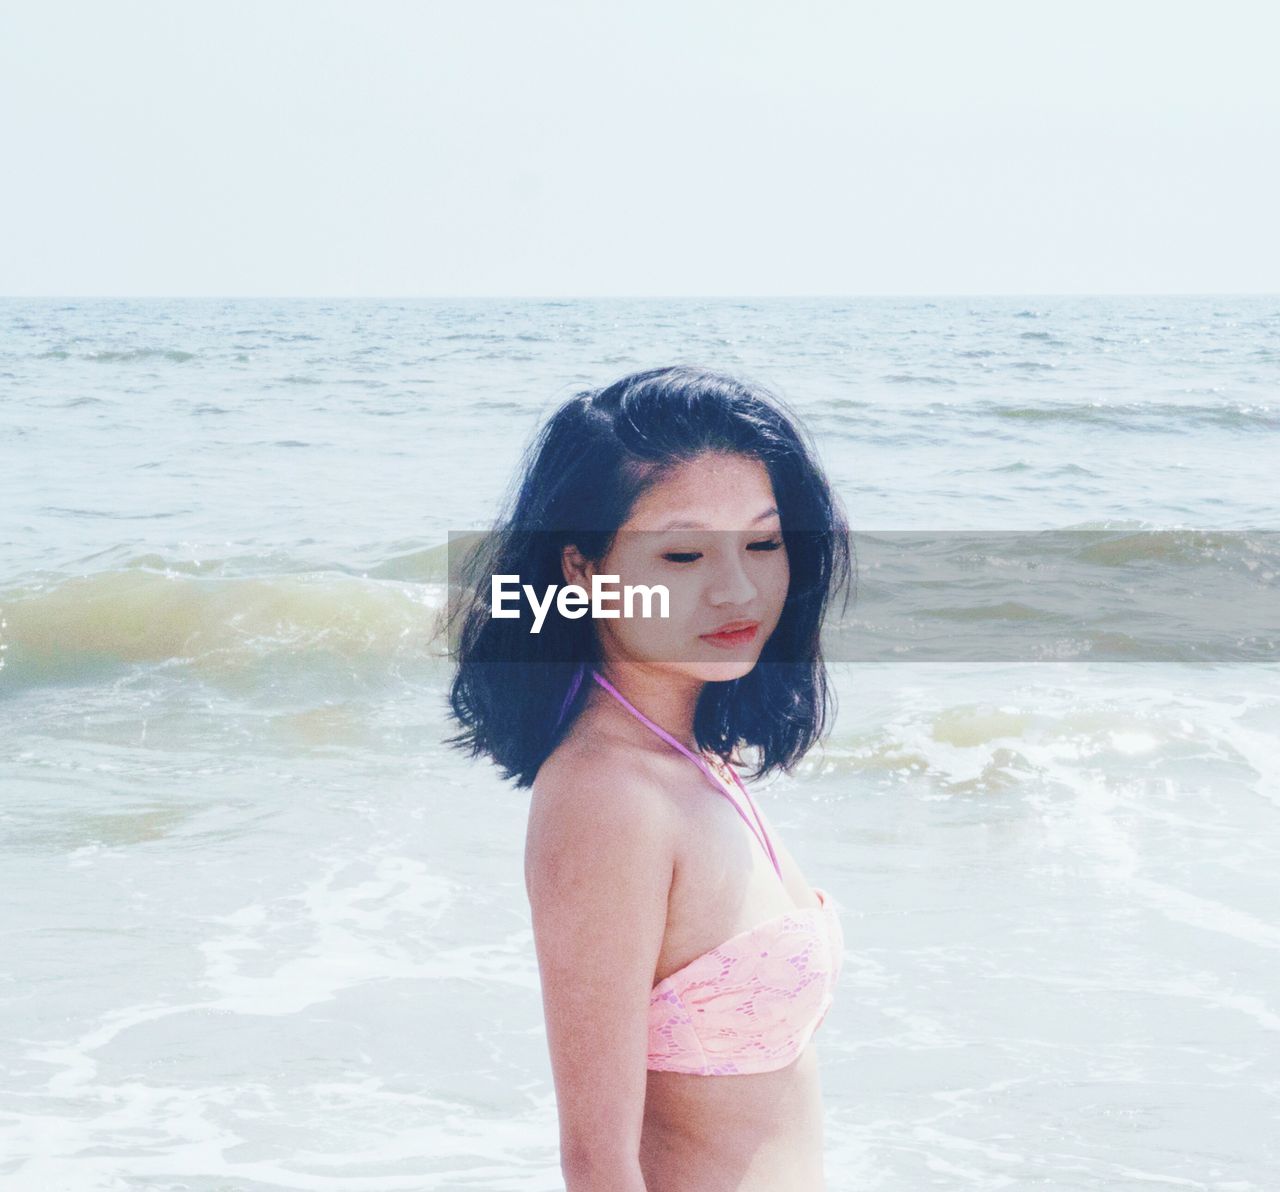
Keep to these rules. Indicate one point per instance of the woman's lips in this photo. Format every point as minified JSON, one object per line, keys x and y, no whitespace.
{"x":736,"y":637}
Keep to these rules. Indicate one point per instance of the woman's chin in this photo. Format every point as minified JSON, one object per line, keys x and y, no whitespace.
{"x":705,"y":670}
{"x":722,"y":671}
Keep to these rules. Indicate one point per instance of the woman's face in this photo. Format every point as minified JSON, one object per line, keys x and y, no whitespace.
{"x":711,"y":534}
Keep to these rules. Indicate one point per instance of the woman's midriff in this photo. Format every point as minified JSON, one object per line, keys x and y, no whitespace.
{"x":756,"y":1133}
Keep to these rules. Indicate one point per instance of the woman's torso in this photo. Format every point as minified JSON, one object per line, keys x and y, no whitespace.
{"x":760,"y":1132}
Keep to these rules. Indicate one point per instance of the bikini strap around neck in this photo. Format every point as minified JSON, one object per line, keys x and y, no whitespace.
{"x":761,"y":835}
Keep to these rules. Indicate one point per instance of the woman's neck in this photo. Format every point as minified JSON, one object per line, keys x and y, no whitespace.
{"x":669,"y":700}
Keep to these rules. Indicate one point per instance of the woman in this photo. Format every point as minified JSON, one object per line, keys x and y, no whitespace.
{"x":685,"y":960}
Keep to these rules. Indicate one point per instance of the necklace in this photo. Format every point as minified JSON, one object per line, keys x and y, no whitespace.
{"x":721,"y":767}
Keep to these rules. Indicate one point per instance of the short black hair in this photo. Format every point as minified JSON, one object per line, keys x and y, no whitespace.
{"x":579,"y":479}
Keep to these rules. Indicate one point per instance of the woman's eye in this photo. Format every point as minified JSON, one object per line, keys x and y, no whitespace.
{"x":687,"y":556}
{"x":772,"y":544}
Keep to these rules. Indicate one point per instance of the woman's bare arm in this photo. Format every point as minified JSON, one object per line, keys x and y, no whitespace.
{"x":599,"y":859}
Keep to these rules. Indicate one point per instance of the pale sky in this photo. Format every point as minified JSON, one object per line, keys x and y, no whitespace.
{"x":598,"y":147}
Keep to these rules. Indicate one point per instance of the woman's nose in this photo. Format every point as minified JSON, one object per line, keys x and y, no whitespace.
{"x":732,"y":584}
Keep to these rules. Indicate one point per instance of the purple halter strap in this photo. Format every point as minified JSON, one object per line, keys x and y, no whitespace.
{"x":574,"y":684}
{"x":762,"y":836}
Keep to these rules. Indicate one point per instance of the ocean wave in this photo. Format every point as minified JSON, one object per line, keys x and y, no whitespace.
{"x":1122,"y":593}
{"x":1189,"y":546}
{"x":1143,"y":416}
{"x":1027,"y":739}
{"x":233,"y":629}
{"x":127,"y":356}
{"x":1045,"y":470}
{"x":917,"y":379}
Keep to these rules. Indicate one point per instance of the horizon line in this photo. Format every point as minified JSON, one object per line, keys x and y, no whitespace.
{"x":665,"y":297}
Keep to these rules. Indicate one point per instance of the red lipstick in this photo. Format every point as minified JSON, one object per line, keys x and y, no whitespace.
{"x":733,"y":633}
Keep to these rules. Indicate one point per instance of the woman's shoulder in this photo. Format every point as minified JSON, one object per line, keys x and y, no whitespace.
{"x":589,"y":777}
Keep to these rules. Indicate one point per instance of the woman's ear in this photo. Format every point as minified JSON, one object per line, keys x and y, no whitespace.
{"x":574,"y":566}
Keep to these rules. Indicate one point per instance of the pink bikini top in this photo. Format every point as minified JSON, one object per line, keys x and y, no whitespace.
{"x":752,"y":1003}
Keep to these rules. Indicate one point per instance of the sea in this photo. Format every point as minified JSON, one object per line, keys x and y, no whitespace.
{"x":262,"y":929}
